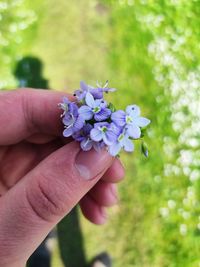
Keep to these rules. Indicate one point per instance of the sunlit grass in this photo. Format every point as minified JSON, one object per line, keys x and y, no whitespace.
{"x":139,"y":48}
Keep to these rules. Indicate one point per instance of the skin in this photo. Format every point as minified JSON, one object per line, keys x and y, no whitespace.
{"x":39,"y":179}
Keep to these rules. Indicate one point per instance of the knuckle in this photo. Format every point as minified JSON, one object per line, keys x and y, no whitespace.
{"x":45,"y":201}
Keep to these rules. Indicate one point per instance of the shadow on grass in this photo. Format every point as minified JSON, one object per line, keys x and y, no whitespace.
{"x":71,"y":240}
{"x":28,"y":72}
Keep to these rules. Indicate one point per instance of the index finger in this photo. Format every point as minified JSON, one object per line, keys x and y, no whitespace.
{"x":24,"y":112}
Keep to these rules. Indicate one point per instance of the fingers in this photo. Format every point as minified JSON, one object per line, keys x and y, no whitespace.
{"x":92,"y":211}
{"x":31,"y":112}
{"x":100,"y":196}
{"x":44,"y":196}
{"x":115,"y":173}
{"x":105,"y":194}
{"x":18,"y":160}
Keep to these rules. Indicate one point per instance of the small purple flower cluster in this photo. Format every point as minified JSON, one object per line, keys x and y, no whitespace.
{"x":94,"y":123}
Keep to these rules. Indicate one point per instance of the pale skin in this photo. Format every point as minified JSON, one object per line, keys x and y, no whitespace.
{"x":40,"y":178}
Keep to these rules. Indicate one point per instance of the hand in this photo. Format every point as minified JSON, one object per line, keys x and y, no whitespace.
{"x":41,"y":177}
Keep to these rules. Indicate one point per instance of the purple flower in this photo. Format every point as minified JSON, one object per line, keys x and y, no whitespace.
{"x":64,"y":106}
{"x":123,"y":141}
{"x":94,"y":108}
{"x":86,"y":143}
{"x":72,"y":120}
{"x":131,"y":120}
{"x":84,"y":89}
{"x":97,"y":93}
{"x":105,"y":88}
{"x":103,"y":131}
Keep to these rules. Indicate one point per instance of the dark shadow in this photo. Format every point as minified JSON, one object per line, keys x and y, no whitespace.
{"x":71,"y":240}
{"x":28,"y":72}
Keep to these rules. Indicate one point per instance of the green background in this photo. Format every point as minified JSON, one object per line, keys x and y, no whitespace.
{"x":149,"y":50}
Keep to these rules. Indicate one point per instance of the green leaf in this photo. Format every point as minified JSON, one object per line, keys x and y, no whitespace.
{"x":144,"y":149}
{"x":111,"y":107}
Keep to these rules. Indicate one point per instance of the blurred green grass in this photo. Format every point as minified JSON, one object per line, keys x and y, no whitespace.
{"x":100,"y":40}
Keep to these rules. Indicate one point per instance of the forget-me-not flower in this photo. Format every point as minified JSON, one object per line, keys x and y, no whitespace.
{"x":97,"y":93}
{"x":72,"y":120}
{"x":103,"y":131}
{"x":122,"y":141}
{"x":96,"y":108}
{"x":131,"y":120}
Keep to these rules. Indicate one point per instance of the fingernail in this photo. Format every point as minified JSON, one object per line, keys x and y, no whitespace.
{"x":91,"y":163}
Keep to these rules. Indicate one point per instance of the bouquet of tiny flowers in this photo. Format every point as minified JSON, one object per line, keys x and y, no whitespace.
{"x":96,"y":124}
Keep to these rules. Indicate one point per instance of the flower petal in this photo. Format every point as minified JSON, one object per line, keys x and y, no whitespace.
{"x":133,"y":131}
{"x":68,"y":119}
{"x":141,"y":122}
{"x":103,"y":114}
{"x":111,"y":136}
{"x":87,"y":128}
{"x":114,"y":149}
{"x":128,"y":145}
{"x":79,"y":122}
{"x":86,"y":144}
{"x":108,"y":140}
{"x":68,"y":132}
{"x":85,"y":112}
{"x":66,"y":100}
{"x":119,"y":117}
{"x":89,"y":99}
{"x":133,"y":111}
{"x":96,"y":135}
{"x":97,"y":93}
{"x":83,"y":86}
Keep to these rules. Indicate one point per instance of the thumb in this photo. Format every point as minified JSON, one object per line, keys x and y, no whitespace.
{"x":46,"y":194}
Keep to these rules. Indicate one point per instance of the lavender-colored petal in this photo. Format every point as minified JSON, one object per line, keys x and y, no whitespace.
{"x":85,"y":112}
{"x":114,"y":149}
{"x":67,"y":119}
{"x":78,"y":136}
{"x":89,"y":99}
{"x":119,"y":117}
{"x":68,"y":132}
{"x":87,"y":128}
{"x":133,"y":131}
{"x":128,"y":145}
{"x":133,"y":111}
{"x":109,"y":89}
{"x":97,"y":93}
{"x":111,"y":136}
{"x":83,"y":86}
{"x":103,"y":114}
{"x":117,"y":130}
{"x":86,"y":144}
{"x":73,"y":109}
{"x":101,"y":124}
{"x":96,"y":135}
{"x":66,"y":100}
{"x":107,"y":140}
{"x":79,"y":122}
{"x":141,"y":121}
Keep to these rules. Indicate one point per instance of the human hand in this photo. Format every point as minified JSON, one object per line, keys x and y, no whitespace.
{"x":41,"y":177}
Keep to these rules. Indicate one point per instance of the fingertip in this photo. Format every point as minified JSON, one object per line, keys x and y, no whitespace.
{"x":115,"y":173}
{"x":92,"y":211}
